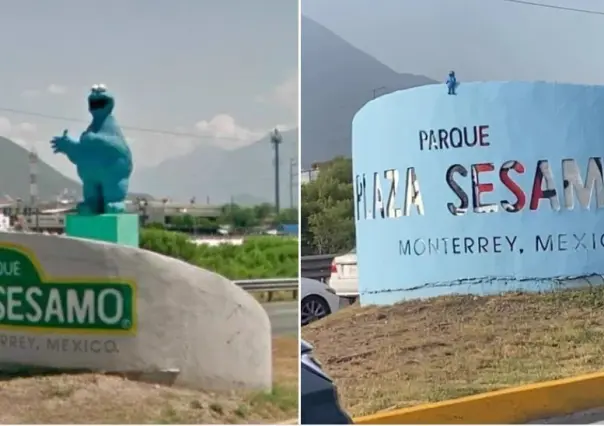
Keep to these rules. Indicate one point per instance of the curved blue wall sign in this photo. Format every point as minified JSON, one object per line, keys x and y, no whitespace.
{"x":499,"y":188}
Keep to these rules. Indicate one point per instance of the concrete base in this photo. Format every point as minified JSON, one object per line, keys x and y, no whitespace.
{"x":113,"y":228}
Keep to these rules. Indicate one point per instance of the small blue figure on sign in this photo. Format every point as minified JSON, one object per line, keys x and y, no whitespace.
{"x":451,"y":83}
{"x":101,"y":155}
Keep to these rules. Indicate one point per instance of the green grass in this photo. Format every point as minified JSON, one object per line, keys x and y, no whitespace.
{"x":257,"y":257}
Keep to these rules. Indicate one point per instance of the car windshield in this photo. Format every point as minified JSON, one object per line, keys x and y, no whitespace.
{"x":353,"y":251}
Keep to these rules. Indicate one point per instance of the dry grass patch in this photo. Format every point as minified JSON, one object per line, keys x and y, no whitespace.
{"x":97,"y":398}
{"x":447,"y":347}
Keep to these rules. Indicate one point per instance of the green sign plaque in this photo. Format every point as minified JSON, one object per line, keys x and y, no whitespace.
{"x":30,"y":300}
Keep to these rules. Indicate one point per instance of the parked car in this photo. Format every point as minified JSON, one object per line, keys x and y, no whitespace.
{"x":318,"y":394}
{"x":317,"y":300}
{"x":344,"y":278}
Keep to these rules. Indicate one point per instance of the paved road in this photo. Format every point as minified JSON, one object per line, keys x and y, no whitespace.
{"x":284,"y":317}
{"x":586,"y":417}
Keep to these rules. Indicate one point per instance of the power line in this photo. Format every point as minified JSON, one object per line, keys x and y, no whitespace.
{"x":132,"y":128}
{"x":551,"y":6}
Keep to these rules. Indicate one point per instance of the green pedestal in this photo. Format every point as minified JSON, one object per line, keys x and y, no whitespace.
{"x":114,"y":228}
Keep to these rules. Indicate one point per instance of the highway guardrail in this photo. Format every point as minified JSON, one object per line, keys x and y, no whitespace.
{"x":317,"y":267}
{"x":270,"y":286}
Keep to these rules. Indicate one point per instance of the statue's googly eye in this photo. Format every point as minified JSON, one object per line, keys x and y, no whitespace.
{"x":95,"y":87}
{"x":102,"y":88}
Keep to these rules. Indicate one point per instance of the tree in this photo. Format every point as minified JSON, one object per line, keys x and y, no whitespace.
{"x":239,"y":218}
{"x":263,"y":211}
{"x":193,"y":224}
{"x":327,"y":224}
{"x":287,"y":216}
{"x":204,"y":225}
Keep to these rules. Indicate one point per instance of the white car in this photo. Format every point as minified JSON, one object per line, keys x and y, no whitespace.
{"x":317,"y":300}
{"x":344,"y":279}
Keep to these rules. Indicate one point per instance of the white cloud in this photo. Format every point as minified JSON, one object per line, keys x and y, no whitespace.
{"x":5,"y":127}
{"x":20,"y":133}
{"x":56,"y":89}
{"x":28,"y":136}
{"x":285,"y":127}
{"x":30,"y":93}
{"x":222,"y":131}
{"x":285,"y":94}
{"x":52,"y":89}
{"x":27,"y":128}
{"x":227,"y":132}
{"x":16,"y":130}
{"x":148,"y":149}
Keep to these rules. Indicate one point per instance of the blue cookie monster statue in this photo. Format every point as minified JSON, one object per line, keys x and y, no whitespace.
{"x":102,"y":157}
{"x":451,"y":83}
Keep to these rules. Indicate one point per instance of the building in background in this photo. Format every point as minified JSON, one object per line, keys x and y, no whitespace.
{"x":4,"y":223}
{"x":311,"y":174}
{"x":51,"y":215}
{"x":308,"y":176}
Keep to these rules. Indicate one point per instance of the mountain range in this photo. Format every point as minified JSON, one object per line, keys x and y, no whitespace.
{"x":14,"y":175}
{"x":337,"y":79}
{"x":209,"y":173}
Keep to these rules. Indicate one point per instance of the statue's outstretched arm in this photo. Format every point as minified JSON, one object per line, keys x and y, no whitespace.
{"x":66,"y":145}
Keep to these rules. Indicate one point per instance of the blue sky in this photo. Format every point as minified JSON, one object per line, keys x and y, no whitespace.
{"x":225,"y":68}
{"x":480,"y":39}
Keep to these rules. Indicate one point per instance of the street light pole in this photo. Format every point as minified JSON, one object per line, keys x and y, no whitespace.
{"x":292,"y":175}
{"x":276,"y":140}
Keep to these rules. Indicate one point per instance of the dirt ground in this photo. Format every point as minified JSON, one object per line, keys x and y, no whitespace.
{"x":96,"y":398}
{"x":447,"y":347}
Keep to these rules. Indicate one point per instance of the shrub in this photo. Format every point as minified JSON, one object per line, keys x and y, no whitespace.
{"x":257,"y":257}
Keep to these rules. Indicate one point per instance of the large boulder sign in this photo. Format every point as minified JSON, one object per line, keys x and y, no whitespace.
{"x":73,"y":304}
{"x":498,"y":188}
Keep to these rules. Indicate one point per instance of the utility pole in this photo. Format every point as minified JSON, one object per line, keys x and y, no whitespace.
{"x":33,"y":186}
{"x":192,"y":201}
{"x":292,"y":174}
{"x":276,"y":140}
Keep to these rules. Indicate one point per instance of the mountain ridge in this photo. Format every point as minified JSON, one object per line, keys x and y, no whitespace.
{"x":337,"y":80}
{"x":244,"y":175}
{"x":15,"y":170}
